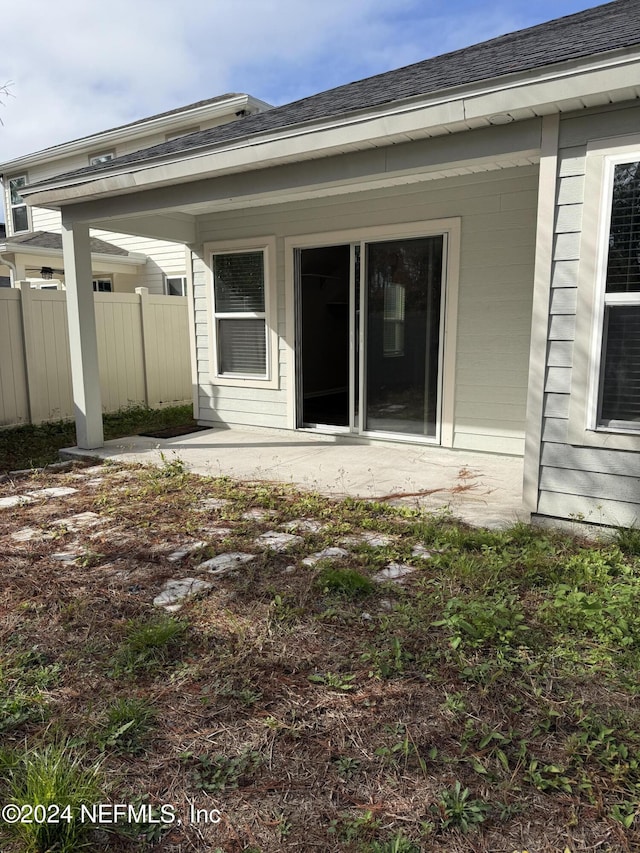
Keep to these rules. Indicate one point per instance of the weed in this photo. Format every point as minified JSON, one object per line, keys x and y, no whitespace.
{"x":398,"y":844}
{"x":456,"y":809}
{"x":474,"y":622}
{"x":56,"y":780}
{"x":346,"y":766}
{"x":628,"y":540}
{"x":547,"y":777}
{"x":148,"y":643}
{"x":346,"y":582}
{"x":225,"y":772}
{"x":126,"y":723}
{"x":333,"y":680}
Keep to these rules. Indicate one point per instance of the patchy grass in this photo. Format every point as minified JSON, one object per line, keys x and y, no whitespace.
{"x":34,"y":445}
{"x":487,"y":703}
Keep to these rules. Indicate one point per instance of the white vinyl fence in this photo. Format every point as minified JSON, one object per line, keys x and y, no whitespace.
{"x":143,"y":352}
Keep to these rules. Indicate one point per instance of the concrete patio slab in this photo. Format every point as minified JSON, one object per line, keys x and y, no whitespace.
{"x":479,"y":488}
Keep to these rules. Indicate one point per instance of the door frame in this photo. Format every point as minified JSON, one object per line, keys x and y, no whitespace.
{"x":451,"y":228}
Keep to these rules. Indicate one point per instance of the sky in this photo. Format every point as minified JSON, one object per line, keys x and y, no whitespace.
{"x":75,"y":67}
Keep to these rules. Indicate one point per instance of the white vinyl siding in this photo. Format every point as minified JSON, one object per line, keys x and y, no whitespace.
{"x":579,"y":479}
{"x":498,"y":212}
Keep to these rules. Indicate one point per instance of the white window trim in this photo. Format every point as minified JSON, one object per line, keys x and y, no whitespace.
{"x":12,"y":206}
{"x":166,"y":284}
{"x":266,"y":245}
{"x":602,"y":157}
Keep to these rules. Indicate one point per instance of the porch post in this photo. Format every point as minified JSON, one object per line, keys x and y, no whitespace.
{"x":83,"y":344}
{"x":543,"y":272}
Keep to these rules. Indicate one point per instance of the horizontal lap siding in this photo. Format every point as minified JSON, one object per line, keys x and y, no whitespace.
{"x":498,"y":211}
{"x":594,"y":484}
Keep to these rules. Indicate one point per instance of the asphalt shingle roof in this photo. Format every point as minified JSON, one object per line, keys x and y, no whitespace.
{"x":612,"y":26}
{"x":49,"y":240}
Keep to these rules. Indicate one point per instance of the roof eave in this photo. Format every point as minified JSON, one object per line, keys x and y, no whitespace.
{"x":442,"y":112}
{"x":104,"y":139}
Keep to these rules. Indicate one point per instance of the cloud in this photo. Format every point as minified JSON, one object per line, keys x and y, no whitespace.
{"x":78,"y":68}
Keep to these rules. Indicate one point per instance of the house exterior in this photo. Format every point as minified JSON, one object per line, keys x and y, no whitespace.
{"x":446,"y":254}
{"x":31,"y":245}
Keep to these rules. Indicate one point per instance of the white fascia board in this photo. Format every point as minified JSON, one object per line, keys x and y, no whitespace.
{"x":142,"y":128}
{"x":438,"y":114}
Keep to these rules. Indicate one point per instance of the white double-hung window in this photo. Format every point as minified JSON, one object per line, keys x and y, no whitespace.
{"x":240,"y":316}
{"x":618,"y":400}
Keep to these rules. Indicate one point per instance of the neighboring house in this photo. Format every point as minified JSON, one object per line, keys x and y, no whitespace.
{"x":31,"y":249}
{"x":446,"y":254}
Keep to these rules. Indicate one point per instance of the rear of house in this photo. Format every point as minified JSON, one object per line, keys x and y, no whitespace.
{"x":446,"y":255}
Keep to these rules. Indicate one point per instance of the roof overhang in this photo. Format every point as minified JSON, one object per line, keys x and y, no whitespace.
{"x":564,"y":87}
{"x":159,"y":124}
{"x":133,"y":259}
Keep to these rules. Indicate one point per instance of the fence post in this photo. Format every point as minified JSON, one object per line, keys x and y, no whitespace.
{"x":147,"y":359}
{"x":30,"y":350}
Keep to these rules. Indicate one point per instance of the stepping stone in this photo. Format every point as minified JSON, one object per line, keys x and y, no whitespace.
{"x":374,"y":540}
{"x":91,"y":470}
{"x":325,"y":554}
{"x":93,"y":484}
{"x":53,"y":492}
{"x":69,"y":557}
{"x":80,"y":521}
{"x":309,"y":525}
{"x":258,"y":514}
{"x":28,"y":534}
{"x":224,"y":563}
{"x":276,"y":541}
{"x":186,"y":549}
{"x":174,"y":591}
{"x":394,"y":572}
{"x":217,"y":532}
{"x":213,"y":503}
{"x":421,"y":551}
{"x":14,"y":500}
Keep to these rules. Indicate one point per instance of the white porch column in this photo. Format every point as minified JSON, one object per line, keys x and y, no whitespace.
{"x":83,"y":344}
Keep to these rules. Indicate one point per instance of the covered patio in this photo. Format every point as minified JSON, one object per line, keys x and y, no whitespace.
{"x":479,"y":488}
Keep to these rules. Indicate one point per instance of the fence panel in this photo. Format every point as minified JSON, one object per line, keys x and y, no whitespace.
{"x":14,"y":399}
{"x":143,"y":353}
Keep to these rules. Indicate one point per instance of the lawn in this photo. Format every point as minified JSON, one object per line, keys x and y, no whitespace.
{"x":487,"y":700}
{"x":38,"y":444}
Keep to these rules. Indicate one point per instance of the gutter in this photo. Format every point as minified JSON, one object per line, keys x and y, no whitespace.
{"x":7,"y":263}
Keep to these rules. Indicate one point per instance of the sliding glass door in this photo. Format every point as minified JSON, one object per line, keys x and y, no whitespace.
{"x":402,"y":341}
{"x":369,"y":336}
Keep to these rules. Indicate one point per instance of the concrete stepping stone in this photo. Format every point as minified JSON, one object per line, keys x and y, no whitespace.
{"x":53,"y":492}
{"x":332,"y":553}
{"x":217,"y":532}
{"x":308,"y":525}
{"x":68,"y":557}
{"x":213,"y":503}
{"x":224,"y":563}
{"x":374,"y":540}
{"x":80,"y":521}
{"x":182,"y":552}
{"x":30,"y":534}
{"x":14,"y":500}
{"x":421,"y":551}
{"x":176,"y":590}
{"x":395,"y":572}
{"x":275,"y":540}
{"x":258,"y":514}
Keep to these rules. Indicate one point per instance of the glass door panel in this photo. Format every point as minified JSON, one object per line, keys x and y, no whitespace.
{"x":403,"y":296}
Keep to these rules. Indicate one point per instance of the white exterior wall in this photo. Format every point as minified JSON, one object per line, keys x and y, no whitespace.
{"x":594,"y":484}
{"x":165,"y":258}
{"x":498,"y":213}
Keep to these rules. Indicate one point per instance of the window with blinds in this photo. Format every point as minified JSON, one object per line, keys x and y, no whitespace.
{"x":620,"y":375}
{"x":240,"y":318}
